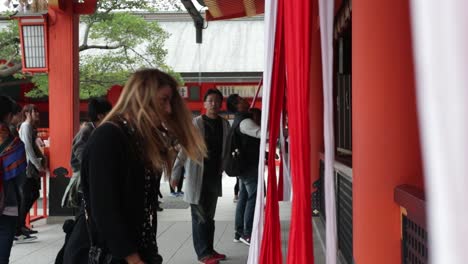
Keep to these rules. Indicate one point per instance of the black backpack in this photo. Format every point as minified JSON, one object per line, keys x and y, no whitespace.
{"x":233,"y":157}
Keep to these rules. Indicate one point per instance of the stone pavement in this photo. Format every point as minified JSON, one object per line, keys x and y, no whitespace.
{"x":174,"y":235}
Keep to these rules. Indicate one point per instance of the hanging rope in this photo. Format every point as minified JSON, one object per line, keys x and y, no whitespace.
{"x":256,"y":93}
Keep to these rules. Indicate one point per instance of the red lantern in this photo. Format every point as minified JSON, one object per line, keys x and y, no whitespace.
{"x":33,"y":37}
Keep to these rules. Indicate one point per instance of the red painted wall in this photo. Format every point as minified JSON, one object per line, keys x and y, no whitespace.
{"x":113,"y":96}
{"x":198,"y":105}
{"x":386,"y":149}
{"x":194,"y":105}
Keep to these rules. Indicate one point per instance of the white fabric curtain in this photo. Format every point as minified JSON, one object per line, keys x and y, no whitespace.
{"x":440,"y":41}
{"x":326,"y":14}
{"x":257,"y":230}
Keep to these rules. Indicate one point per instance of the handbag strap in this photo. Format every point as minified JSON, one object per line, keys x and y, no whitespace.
{"x":92,"y":239}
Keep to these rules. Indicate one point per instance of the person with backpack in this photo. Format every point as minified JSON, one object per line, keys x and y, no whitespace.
{"x":203,"y":181}
{"x":97,"y":110}
{"x":12,"y":174}
{"x":248,"y":133}
{"x":76,"y":246}
{"x":256,"y":117}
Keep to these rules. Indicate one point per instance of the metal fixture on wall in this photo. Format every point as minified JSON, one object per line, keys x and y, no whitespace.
{"x":197,"y":18}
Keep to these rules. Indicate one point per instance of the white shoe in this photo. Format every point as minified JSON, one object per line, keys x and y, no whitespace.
{"x":245,"y":240}
{"x":236,"y":238}
{"x":24,"y":239}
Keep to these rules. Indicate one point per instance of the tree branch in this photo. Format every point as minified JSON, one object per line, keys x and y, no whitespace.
{"x":12,"y":58}
{"x":7,"y":71}
{"x":86,"y":34}
{"x":141,"y":56}
{"x":107,"y":47}
{"x":92,"y":20}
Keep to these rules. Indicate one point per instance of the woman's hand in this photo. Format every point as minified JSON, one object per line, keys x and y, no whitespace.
{"x":134,"y":259}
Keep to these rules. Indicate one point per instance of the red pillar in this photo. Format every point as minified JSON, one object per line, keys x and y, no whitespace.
{"x":386,"y":149}
{"x":63,"y":95}
{"x":316,"y":98}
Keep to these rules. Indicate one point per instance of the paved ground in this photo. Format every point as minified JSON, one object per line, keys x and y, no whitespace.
{"x":174,"y":235}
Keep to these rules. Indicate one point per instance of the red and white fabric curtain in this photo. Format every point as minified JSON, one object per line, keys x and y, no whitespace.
{"x":257,"y":231}
{"x":271,"y":246}
{"x":326,"y":14}
{"x":288,"y":49}
{"x":298,"y":21}
{"x":440,"y":41}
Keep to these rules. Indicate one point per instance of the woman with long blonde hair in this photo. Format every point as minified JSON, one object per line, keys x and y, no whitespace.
{"x":135,"y":143}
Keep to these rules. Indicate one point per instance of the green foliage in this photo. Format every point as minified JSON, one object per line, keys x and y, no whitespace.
{"x":113,"y":5}
{"x":9,"y":42}
{"x":98,"y":73}
{"x":124,"y":32}
{"x":115,"y":44}
{"x":42,"y":86}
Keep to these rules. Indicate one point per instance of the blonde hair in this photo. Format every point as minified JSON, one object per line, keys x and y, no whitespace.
{"x":138,"y":104}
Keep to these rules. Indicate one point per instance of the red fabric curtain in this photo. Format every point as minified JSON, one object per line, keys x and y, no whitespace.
{"x":297,"y":27}
{"x":271,"y":242}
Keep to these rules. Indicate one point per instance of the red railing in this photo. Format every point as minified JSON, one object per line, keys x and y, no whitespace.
{"x":413,"y":224}
{"x":412,"y":203}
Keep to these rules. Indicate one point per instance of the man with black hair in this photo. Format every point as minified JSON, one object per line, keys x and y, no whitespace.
{"x":249,"y":134}
{"x":203,"y":181}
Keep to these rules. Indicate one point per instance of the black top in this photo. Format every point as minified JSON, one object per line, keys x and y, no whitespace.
{"x":214,"y":143}
{"x":250,"y":147}
{"x":114,"y":186}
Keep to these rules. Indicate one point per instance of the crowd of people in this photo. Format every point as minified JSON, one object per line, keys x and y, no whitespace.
{"x":22,"y":163}
{"x":118,"y":159}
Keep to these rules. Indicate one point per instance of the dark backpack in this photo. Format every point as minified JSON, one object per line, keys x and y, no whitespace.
{"x":233,"y":157}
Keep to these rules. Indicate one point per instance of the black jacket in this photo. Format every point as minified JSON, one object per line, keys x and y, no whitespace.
{"x":113,"y":184}
{"x":250,"y":147}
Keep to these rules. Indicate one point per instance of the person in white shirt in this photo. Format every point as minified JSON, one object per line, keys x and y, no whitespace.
{"x":249,"y":134}
{"x":36,"y":163}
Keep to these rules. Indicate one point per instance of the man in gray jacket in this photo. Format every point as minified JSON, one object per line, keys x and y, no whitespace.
{"x":203,"y":181}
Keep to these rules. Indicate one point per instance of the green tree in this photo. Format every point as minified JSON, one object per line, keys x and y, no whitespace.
{"x":9,"y":50}
{"x":114,"y":43}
